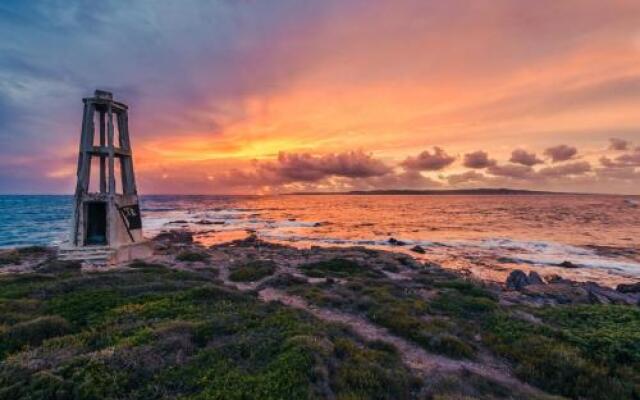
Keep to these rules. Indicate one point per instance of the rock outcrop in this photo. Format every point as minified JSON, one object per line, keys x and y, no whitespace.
{"x":533,"y":290}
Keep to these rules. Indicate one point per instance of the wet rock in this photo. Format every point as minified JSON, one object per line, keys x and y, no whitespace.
{"x":554,"y":278}
{"x":418,"y":249}
{"x":395,"y":242}
{"x":567,"y":264}
{"x":535,"y":278}
{"x":629,"y":287}
{"x":517,"y":280}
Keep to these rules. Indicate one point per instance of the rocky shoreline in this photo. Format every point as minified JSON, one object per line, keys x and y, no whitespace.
{"x":519,"y":288}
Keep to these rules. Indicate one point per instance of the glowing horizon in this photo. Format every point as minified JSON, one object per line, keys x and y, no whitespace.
{"x":250,"y":97}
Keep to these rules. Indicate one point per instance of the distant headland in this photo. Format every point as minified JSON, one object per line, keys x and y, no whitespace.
{"x":437,"y":192}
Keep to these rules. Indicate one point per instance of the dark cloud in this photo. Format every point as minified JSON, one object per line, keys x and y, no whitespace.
{"x":618,"y":144}
{"x":570,"y":169}
{"x":308,"y":168}
{"x":478,"y":160}
{"x":511,"y":171}
{"x":427,"y":161}
{"x":523,"y":157}
{"x":561,"y":152}
{"x":631,"y":159}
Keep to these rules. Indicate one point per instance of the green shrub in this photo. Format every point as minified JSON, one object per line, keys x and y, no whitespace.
{"x":465,"y":287}
{"x":450,"y":346}
{"x":338,"y":268}
{"x":192,"y":256}
{"x":252,"y":271}
{"x":543,"y":358}
{"x":609,"y":333}
{"x":365,"y":373}
{"x":463,"y":306}
{"x":33,"y":332}
{"x":85,"y":306}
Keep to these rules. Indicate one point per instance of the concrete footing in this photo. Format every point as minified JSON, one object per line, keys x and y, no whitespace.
{"x":104,"y":255}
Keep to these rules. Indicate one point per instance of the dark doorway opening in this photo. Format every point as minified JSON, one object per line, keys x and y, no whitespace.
{"x":96,"y":223}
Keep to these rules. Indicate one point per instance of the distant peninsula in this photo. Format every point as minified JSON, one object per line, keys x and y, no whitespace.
{"x":436,"y":192}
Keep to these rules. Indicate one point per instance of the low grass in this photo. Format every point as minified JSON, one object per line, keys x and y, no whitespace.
{"x":152,"y":333}
{"x":590,"y":352}
{"x":252,"y":271}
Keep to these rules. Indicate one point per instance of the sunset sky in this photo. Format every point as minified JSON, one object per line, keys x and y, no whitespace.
{"x":277,"y":96}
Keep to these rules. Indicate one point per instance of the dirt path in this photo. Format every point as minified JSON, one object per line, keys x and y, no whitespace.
{"x":415,"y":357}
{"x":412,"y":355}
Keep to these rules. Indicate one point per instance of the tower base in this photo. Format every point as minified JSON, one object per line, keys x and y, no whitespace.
{"x":105,"y":255}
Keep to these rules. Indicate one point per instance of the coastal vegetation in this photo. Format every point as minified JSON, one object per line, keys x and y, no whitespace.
{"x":349,"y":324}
{"x":252,"y":271}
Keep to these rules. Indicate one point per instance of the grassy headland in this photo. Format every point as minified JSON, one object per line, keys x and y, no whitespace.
{"x":196,"y":323}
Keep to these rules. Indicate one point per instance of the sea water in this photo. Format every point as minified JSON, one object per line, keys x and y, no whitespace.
{"x":483,"y":235}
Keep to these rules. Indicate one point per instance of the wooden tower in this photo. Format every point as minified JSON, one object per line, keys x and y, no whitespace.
{"x":106,"y":223}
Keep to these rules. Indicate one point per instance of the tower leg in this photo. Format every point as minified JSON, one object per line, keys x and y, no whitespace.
{"x":112,"y":177}
{"x":103,"y":160}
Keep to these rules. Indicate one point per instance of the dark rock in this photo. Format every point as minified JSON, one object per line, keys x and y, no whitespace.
{"x":179,"y":221}
{"x":597,"y":298}
{"x":567,"y":264}
{"x":54,"y":265}
{"x":604,"y":295}
{"x":517,"y":280}
{"x":205,"y":222}
{"x":629,"y":287}
{"x":175,"y":236}
{"x":535,"y":279}
{"x":396,"y":242}
{"x":418,"y":249}
{"x":561,"y":293}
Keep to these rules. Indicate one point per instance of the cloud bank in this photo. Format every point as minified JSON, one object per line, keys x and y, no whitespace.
{"x":299,"y":86}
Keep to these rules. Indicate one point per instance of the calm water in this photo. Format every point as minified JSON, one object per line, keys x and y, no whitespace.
{"x":485,"y":235}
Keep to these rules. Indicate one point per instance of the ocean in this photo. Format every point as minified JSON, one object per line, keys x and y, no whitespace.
{"x":483,"y":235}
